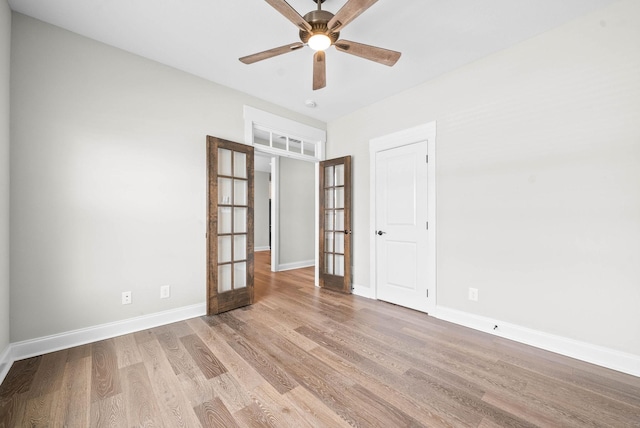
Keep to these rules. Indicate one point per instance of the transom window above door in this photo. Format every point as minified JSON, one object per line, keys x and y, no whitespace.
{"x":290,"y":145}
{"x":283,"y":137}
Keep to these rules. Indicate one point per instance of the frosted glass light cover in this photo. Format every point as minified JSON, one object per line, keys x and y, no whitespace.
{"x":319,"y":42}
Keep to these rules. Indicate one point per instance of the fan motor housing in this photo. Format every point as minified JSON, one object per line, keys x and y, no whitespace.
{"x":318,"y":19}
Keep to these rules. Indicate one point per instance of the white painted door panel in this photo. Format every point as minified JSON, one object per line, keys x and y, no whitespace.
{"x":401,"y":217}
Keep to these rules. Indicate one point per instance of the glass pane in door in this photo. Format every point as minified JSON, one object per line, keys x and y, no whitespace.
{"x":224,"y":162}
{"x":239,"y":165}
{"x":328,"y":265}
{"x":224,"y":249}
{"x":239,"y":220}
{"x":240,"y":192}
{"x":240,"y":247}
{"x":224,"y":278}
{"x":339,"y":175}
{"x":224,"y":191}
{"x":224,"y":220}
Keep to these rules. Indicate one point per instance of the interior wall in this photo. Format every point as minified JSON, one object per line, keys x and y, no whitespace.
{"x":261,"y":210}
{"x":538,"y":154}
{"x":297,"y":212}
{"x":5,"y":61}
{"x":108,"y":179}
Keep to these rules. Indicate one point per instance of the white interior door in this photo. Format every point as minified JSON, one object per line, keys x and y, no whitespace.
{"x":401,"y":216}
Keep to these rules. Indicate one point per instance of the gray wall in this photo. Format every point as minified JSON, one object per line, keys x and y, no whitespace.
{"x":107,"y":179}
{"x":538,"y":201}
{"x":5,"y":44}
{"x":261,"y":210}
{"x":297,"y":211}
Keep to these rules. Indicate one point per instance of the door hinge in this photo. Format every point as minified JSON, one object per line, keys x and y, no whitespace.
{"x":427,"y":225}
{"x":427,"y":293}
{"x":427,"y":158}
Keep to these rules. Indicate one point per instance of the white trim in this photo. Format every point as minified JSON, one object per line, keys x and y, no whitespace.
{"x":275,"y":213}
{"x":296,"y":265}
{"x":316,"y":274}
{"x":256,"y":249}
{"x":5,"y":363}
{"x":56,"y":342}
{"x":362,"y":291}
{"x":398,"y":139}
{"x":599,"y":355}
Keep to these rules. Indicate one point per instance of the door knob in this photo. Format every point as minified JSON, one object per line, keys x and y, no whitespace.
{"x":381,"y":233}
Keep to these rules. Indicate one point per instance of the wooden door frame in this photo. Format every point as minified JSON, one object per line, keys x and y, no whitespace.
{"x":426,"y":133}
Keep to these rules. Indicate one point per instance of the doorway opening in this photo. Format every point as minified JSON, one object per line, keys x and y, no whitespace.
{"x":285,"y":140}
{"x":285,"y":207}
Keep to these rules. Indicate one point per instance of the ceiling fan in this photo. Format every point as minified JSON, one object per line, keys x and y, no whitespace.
{"x":320,"y":29}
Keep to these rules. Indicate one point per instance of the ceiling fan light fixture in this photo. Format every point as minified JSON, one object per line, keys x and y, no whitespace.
{"x":319,"y":42}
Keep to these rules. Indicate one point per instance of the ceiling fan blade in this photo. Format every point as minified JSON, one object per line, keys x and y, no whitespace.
{"x":350,"y":11}
{"x":372,"y":53}
{"x":250,"y":59}
{"x":290,"y":13}
{"x":319,"y":70}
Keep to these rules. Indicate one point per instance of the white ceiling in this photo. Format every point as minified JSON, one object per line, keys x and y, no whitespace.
{"x":206,"y":38}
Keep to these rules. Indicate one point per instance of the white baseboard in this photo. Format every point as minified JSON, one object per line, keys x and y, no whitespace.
{"x":599,"y":355}
{"x":256,"y":249}
{"x":296,"y":265}
{"x":360,"y":290}
{"x":43,"y":345}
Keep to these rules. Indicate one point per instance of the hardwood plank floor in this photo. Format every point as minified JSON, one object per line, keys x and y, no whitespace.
{"x":301,"y":357}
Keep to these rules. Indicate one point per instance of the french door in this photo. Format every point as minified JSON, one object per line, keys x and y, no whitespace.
{"x":230,"y":225}
{"x":335,"y":224}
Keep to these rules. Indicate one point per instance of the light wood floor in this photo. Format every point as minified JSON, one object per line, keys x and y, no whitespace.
{"x":301,"y":357}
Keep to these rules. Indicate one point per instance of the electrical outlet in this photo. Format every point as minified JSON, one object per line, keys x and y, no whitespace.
{"x":165,"y":291}
{"x":473,"y":294}
{"x":126,"y":297}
